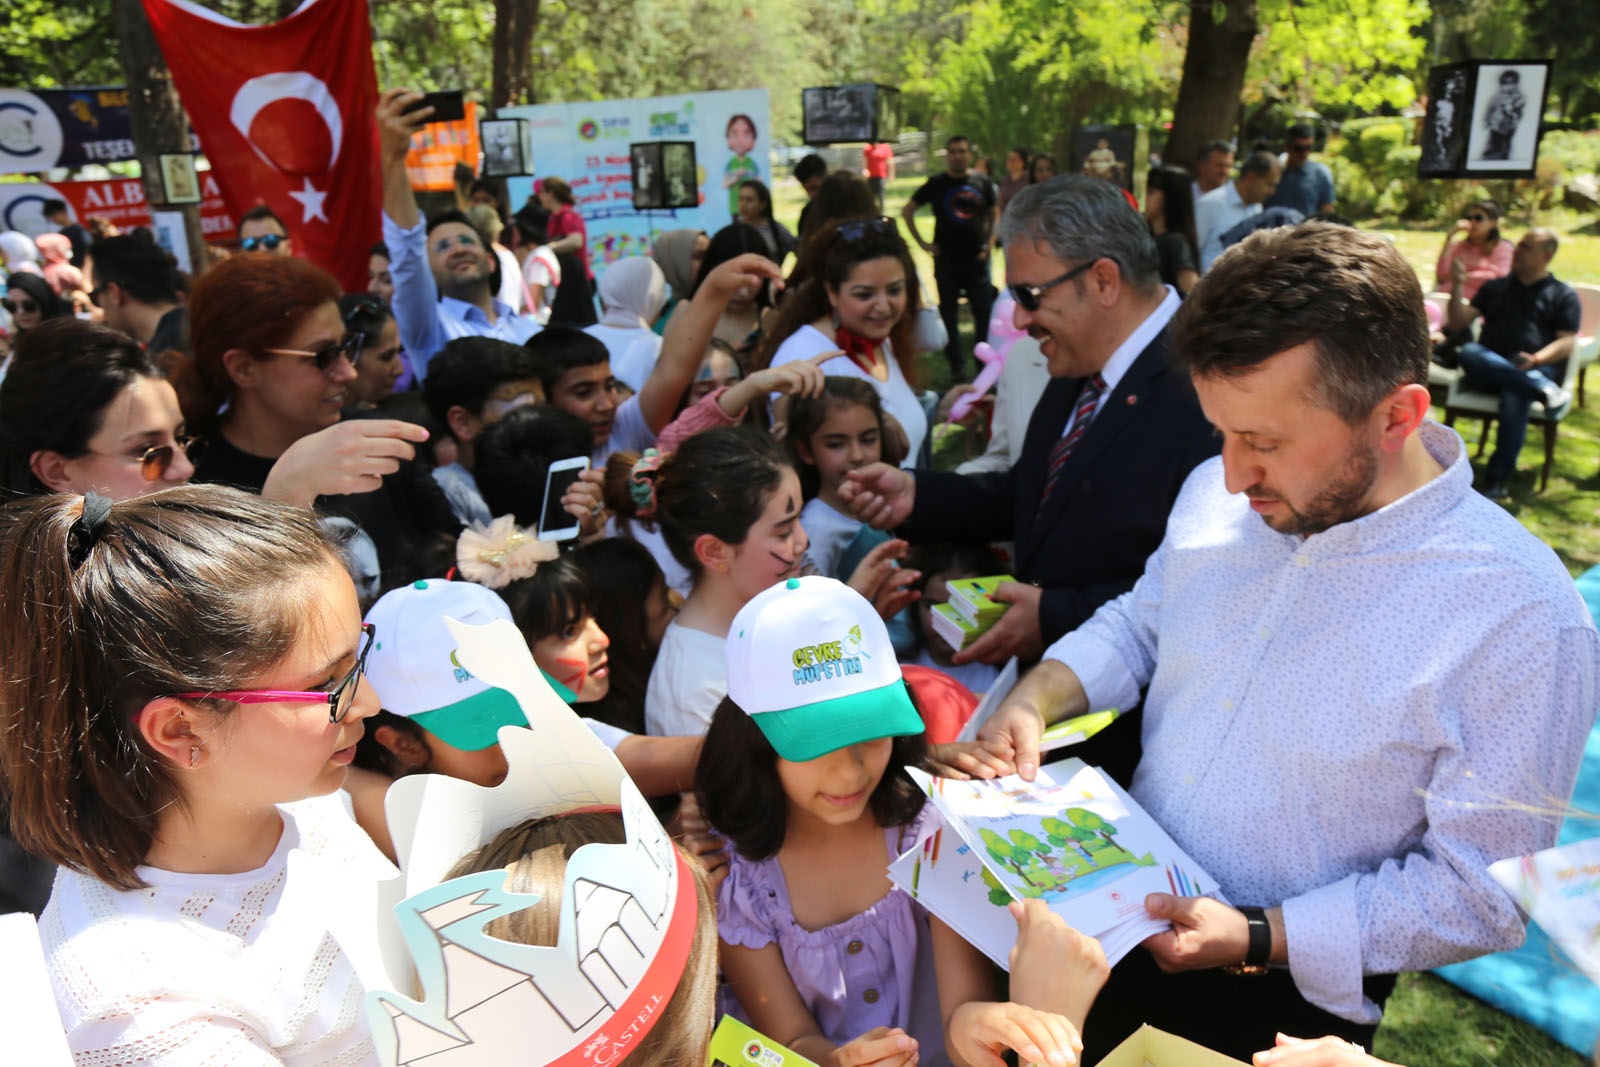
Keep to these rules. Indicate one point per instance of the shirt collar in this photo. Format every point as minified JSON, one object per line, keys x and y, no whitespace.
{"x":1421,"y":509}
{"x":462,"y":311}
{"x":1137,"y":341}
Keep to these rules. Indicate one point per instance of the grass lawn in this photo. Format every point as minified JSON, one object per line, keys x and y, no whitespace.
{"x":1429,"y":1023}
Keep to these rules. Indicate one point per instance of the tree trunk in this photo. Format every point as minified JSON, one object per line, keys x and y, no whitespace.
{"x":512,"y":78}
{"x":157,"y":118}
{"x":1213,"y":76}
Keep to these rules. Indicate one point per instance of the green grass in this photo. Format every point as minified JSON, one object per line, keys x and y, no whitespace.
{"x":1428,"y":1022}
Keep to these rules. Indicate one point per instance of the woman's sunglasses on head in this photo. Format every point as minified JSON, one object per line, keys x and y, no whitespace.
{"x":267,"y":242}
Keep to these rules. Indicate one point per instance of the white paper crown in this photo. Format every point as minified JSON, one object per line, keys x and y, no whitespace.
{"x":627,"y":914}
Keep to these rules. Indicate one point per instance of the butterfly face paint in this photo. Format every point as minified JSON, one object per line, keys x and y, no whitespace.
{"x":773,"y":549}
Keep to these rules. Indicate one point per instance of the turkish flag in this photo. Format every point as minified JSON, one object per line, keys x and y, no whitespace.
{"x":285,"y":115}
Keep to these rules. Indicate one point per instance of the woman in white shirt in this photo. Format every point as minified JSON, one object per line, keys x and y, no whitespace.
{"x":859,"y":297}
{"x":177,"y":747}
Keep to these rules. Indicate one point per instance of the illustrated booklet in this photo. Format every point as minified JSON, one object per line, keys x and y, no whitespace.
{"x":1072,"y":837}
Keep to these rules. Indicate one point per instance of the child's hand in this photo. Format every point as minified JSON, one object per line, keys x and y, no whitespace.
{"x":1054,"y":967}
{"x":583,"y":501}
{"x":979,"y":1032}
{"x":880,"y":1047}
{"x":878,"y":579}
{"x":1321,"y":1052}
{"x":971,"y":759}
{"x":802,"y":377}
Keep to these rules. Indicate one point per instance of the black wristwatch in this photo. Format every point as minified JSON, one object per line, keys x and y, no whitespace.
{"x":1259,"y":954}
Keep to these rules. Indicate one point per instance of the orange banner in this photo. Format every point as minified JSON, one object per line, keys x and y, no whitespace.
{"x":439,"y":147}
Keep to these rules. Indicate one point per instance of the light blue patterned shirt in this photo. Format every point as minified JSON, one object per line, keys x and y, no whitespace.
{"x":1344,"y":723}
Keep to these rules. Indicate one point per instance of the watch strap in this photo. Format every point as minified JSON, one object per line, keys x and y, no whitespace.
{"x":1259,"y":951}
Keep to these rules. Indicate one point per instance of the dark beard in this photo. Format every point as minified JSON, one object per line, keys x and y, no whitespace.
{"x":1341,"y":499}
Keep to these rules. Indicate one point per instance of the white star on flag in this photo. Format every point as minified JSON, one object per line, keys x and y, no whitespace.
{"x":311,"y":201}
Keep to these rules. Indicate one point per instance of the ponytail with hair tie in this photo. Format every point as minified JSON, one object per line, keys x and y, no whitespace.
{"x":642,"y":483}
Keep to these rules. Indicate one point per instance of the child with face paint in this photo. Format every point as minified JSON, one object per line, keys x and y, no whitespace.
{"x":727,"y":504}
{"x":801,"y":771}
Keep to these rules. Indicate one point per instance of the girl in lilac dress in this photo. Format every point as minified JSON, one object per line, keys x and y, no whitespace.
{"x":800,"y":772}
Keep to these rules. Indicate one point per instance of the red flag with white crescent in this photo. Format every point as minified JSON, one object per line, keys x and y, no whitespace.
{"x":284,"y":113}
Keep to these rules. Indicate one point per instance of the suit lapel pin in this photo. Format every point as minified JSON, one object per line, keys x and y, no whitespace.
{"x":1132,"y":400}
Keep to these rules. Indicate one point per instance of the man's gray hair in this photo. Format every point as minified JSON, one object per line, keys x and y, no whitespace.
{"x":1081,"y":218}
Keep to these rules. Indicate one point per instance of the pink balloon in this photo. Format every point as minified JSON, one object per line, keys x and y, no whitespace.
{"x":1003,"y":329}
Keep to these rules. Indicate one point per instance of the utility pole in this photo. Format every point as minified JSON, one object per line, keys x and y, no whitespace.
{"x":159,"y":124}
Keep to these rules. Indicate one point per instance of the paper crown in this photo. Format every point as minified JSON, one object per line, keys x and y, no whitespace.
{"x":627,"y":915}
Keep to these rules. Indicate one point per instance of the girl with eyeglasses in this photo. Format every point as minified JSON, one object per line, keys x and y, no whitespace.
{"x":272,"y":368}
{"x":859,"y":296}
{"x":1475,"y":240}
{"x":176,"y":746}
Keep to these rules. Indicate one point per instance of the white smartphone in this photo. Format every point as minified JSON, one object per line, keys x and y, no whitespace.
{"x":555,"y":522}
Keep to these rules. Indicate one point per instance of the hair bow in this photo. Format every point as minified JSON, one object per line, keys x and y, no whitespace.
{"x":500,"y":553}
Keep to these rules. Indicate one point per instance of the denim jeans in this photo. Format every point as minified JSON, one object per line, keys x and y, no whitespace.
{"x":972,"y":277}
{"x":1518,"y":389}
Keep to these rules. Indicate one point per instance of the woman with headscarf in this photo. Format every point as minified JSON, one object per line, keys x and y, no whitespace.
{"x":678,"y":254}
{"x":20,"y":253}
{"x":64,"y":278}
{"x":632,"y":291}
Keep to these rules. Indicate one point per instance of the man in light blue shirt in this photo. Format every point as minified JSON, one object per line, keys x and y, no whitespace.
{"x":1329,"y":638}
{"x":440,"y":269}
{"x":1306,"y":185}
{"x":1223,"y":208}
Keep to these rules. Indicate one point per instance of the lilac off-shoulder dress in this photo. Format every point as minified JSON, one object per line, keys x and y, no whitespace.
{"x":873,"y":969}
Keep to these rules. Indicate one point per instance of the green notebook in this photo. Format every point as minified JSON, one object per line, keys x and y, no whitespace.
{"x":736,"y":1045}
{"x":958,"y":632}
{"x":974,"y":598}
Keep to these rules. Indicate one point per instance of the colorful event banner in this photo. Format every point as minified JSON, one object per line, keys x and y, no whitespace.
{"x":45,"y":128}
{"x":286,"y":114}
{"x":431,"y":162}
{"x":119,"y":199}
{"x":587,"y":146}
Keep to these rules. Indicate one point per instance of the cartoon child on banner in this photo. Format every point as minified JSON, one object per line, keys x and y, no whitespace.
{"x":741,"y":134}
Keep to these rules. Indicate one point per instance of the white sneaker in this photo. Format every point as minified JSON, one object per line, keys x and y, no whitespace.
{"x":1555,"y":397}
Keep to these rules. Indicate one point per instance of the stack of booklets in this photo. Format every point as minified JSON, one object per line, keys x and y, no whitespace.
{"x":1071,"y":837}
{"x":970,"y":611}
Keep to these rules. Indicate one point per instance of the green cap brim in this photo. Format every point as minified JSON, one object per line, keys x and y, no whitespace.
{"x":813,"y":730}
{"x":473,"y":724}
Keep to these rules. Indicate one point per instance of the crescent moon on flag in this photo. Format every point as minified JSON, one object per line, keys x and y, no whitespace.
{"x":257,"y":93}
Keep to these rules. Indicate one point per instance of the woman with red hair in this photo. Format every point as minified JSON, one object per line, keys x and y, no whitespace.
{"x":271,"y":370}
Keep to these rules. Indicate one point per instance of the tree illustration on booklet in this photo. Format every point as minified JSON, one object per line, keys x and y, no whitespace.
{"x":1080,"y":844}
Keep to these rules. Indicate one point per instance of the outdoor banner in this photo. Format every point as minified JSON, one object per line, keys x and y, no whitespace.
{"x":286,"y":114}
{"x":438,"y":147}
{"x":587,"y":146}
{"x":45,"y":128}
{"x":119,"y":199}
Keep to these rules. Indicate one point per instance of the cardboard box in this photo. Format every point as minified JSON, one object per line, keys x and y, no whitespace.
{"x":1149,"y":1047}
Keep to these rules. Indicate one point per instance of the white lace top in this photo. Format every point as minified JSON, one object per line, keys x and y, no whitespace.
{"x":265,"y":967}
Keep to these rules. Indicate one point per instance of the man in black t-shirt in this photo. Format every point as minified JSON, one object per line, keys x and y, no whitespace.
{"x":965,"y":214}
{"x":1530,"y":322}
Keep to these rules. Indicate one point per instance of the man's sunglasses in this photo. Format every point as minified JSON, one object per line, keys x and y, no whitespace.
{"x":339,"y":698}
{"x":155,"y":461}
{"x":267,"y":242}
{"x":856,"y":229}
{"x":1027,"y":296}
{"x":1476,"y":217}
{"x":348,"y":346}
{"x":24,"y":306}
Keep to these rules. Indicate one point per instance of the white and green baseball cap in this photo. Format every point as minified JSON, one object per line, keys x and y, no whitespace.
{"x":413,"y":668}
{"x":810,"y":661}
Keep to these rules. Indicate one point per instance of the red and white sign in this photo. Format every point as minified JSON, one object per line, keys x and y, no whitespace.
{"x":119,"y":199}
{"x":285,"y":112}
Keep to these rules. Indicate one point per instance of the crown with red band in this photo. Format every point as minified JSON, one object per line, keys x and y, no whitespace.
{"x":627,"y":914}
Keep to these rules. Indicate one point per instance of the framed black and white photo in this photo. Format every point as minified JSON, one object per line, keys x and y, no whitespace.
{"x":504,"y":152}
{"x":1483,"y":119}
{"x":848,"y":114}
{"x":179,"y":182}
{"x":665,"y":175}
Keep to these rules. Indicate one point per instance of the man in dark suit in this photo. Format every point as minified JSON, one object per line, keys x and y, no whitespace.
{"x":1112,"y":438}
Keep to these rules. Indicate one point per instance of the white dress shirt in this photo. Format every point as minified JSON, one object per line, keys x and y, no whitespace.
{"x":1346,"y":723}
{"x":1128,"y":351}
{"x":426,"y":321}
{"x":1219,"y":211}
